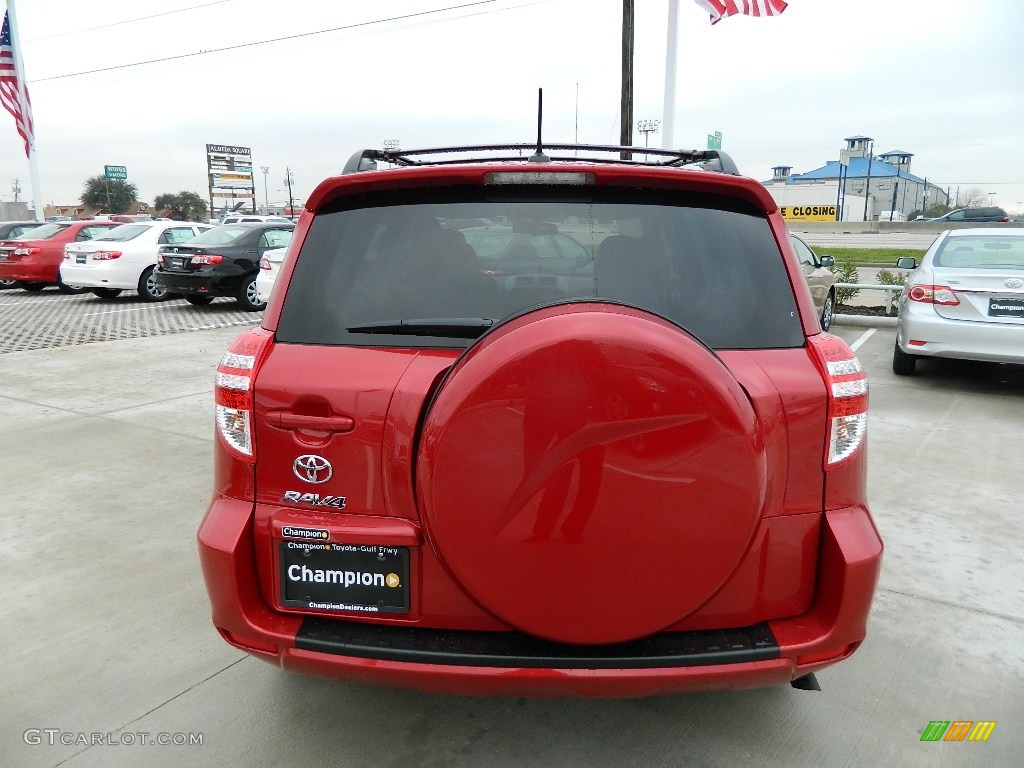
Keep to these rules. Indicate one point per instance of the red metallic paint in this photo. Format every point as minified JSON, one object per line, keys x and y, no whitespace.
{"x":835,"y":623}
{"x":809,"y":568}
{"x":569,"y":461}
{"x":44,"y":266}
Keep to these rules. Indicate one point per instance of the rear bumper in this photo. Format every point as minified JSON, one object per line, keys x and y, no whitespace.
{"x":200,"y":283}
{"x":486,"y":663}
{"x":124,"y":277}
{"x":29,"y":272}
{"x":959,"y":339}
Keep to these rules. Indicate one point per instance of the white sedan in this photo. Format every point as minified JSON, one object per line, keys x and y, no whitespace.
{"x":270,"y":266}
{"x":125,"y":257}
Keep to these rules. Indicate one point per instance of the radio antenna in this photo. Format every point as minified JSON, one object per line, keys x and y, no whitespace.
{"x":539,"y":156}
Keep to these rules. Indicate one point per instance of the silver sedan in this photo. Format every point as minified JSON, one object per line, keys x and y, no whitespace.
{"x":965,"y":300}
{"x":820,"y":279}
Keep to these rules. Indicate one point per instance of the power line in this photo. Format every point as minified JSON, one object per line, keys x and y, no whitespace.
{"x":265,"y":42}
{"x":128,"y":21}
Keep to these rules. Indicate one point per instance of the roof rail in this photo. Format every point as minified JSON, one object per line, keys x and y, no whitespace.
{"x":709,"y":160}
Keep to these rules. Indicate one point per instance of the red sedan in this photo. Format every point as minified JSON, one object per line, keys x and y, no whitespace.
{"x":34,"y":259}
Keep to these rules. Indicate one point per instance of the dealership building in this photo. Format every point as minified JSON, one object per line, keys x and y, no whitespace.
{"x":859,"y":186}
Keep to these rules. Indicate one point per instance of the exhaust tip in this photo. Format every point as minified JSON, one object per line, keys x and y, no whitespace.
{"x":806,"y":683}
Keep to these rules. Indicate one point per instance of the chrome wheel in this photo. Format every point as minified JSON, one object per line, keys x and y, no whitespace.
{"x":249,"y":298}
{"x":149,"y":290}
{"x":828,"y":311}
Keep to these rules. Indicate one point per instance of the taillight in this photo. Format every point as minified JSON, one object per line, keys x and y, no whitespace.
{"x":933,"y":294}
{"x":233,"y":391}
{"x":160,"y":259}
{"x":27,"y":251}
{"x":847,"y":397}
{"x":106,"y":255}
{"x":265,"y":263}
{"x":207,"y":258}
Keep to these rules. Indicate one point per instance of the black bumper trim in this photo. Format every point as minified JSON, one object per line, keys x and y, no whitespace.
{"x":514,"y":649}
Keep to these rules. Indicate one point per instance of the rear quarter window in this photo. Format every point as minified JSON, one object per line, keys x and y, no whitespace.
{"x":709,"y":264}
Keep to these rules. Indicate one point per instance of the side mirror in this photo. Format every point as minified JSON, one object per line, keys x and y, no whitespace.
{"x":906,"y":262}
{"x":828,"y":261}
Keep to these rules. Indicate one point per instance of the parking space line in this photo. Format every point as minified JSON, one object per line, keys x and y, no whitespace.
{"x":863,"y":337}
{"x":115,"y":311}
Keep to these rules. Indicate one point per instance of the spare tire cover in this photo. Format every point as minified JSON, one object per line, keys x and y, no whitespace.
{"x":590,"y":473}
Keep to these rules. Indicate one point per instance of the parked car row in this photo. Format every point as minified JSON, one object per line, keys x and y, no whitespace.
{"x":156,"y":258}
{"x":34,"y":258}
{"x":125,"y":258}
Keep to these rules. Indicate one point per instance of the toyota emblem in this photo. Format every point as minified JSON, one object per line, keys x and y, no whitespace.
{"x":312,"y":468}
{"x":1014,"y":282}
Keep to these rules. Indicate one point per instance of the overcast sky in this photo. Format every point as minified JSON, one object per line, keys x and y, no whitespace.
{"x":943,"y":81}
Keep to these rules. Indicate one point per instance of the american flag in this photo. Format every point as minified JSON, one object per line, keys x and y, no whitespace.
{"x":719,"y":9}
{"x":10,"y":92}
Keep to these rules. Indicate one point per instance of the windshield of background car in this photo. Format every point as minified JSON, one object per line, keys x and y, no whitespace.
{"x":44,"y":232}
{"x":708,"y":263}
{"x":980,"y":252}
{"x":124,"y":233}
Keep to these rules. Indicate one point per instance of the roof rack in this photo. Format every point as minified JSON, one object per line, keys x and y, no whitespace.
{"x":709,"y":160}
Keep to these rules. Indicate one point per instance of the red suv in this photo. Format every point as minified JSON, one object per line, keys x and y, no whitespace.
{"x":34,"y":259}
{"x":636,"y":469}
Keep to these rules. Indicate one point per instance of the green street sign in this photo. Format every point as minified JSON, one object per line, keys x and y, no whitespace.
{"x":115,"y":171}
{"x":715,"y":140}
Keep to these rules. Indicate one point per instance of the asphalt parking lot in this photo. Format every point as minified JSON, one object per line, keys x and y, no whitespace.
{"x":49,"y":318}
{"x":108,"y":645}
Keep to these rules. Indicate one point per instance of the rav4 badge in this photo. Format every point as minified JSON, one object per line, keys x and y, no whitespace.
{"x":297,"y":497}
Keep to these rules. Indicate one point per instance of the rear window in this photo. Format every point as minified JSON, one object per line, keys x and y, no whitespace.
{"x":222,"y":235}
{"x":981,"y":252}
{"x":124,"y":233}
{"x":399,"y":272}
{"x":44,"y":232}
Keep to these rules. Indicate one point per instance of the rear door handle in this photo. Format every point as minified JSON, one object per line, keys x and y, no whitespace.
{"x":290,"y":420}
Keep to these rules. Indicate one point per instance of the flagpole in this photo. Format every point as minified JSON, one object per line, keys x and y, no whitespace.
{"x":33,"y":166}
{"x":669,"y":115}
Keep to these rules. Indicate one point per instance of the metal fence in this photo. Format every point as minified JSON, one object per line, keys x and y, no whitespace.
{"x":889,"y":291}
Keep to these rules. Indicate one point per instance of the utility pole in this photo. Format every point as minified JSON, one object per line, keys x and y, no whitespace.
{"x":288,"y":179}
{"x":626,"y":133}
{"x":16,"y":189}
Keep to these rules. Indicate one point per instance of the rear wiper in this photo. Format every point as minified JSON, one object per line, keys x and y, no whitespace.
{"x":452,"y":327}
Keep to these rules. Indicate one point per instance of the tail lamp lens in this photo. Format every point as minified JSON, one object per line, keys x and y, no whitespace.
{"x":933,"y":294}
{"x":233,"y":391}
{"x":847,"y":397}
{"x":207,"y":258}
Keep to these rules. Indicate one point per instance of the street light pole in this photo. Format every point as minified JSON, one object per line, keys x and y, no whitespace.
{"x":647,"y":127}
{"x":867,"y":188}
{"x":266,"y":195}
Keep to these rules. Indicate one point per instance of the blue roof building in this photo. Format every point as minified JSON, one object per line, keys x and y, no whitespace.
{"x":885,"y":179}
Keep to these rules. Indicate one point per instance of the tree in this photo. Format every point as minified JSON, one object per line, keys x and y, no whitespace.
{"x":112,"y":195}
{"x":189,"y":205}
{"x":974,"y":197}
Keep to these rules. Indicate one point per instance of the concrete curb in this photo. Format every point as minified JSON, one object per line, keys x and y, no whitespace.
{"x":865,"y":321}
